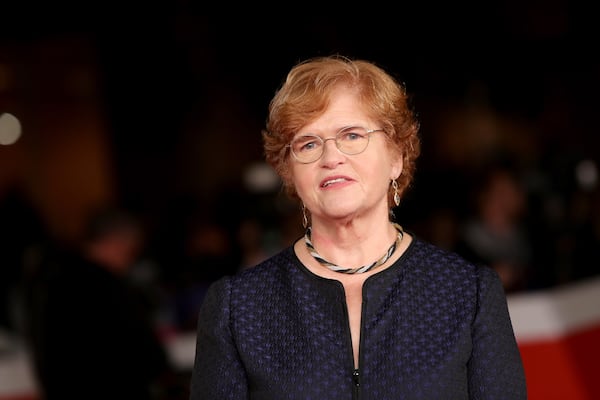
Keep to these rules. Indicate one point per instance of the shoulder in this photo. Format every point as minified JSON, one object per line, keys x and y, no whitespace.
{"x":446,"y":266}
{"x":273,"y":284}
{"x":423,"y":254}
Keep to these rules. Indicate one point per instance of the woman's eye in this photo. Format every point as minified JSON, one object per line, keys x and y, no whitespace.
{"x":306,"y":144}
{"x":351,"y":136}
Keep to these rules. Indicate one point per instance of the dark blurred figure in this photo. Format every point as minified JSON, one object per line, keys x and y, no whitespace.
{"x":577,"y":244}
{"x":495,"y":233}
{"x":91,"y":331}
{"x":23,"y":236}
{"x":207,"y":255}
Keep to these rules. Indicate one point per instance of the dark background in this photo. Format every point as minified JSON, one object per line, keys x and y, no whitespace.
{"x":157,"y":107}
{"x":183,"y":87}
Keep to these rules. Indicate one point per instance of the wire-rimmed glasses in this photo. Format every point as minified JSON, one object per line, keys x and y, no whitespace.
{"x":349,"y":140}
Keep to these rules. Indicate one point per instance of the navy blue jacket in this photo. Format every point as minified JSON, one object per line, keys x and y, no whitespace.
{"x":433,"y":327}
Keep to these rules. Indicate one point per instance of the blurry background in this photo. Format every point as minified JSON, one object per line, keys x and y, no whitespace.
{"x":155,"y":109}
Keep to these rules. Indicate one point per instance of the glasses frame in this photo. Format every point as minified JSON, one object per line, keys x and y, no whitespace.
{"x":368,"y":133}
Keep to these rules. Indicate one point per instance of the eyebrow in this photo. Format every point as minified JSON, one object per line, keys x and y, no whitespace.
{"x":343,"y":128}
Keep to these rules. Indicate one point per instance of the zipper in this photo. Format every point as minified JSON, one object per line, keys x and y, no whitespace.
{"x":356,"y":372}
{"x":356,"y":384}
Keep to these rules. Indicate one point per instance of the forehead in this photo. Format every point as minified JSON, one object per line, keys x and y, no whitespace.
{"x":344,"y":109}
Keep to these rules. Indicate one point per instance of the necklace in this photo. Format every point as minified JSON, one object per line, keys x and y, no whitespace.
{"x":359,"y":270}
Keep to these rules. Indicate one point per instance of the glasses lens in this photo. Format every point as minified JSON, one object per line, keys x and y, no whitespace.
{"x":307,"y":149}
{"x":352,"y":140}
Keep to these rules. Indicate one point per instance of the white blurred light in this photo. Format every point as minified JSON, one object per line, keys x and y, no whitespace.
{"x":260,"y":177}
{"x":586,"y":173}
{"x":10,"y":129}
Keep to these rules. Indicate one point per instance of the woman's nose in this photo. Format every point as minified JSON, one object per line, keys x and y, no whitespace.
{"x":330,"y":151}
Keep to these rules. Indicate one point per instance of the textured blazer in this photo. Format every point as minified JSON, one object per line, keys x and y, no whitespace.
{"x":433,"y":327}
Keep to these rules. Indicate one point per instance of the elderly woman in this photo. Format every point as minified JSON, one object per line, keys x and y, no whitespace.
{"x":357,"y":308}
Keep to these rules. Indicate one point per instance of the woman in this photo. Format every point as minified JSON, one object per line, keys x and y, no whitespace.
{"x":356,"y":308}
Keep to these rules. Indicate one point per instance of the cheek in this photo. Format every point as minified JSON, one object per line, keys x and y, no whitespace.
{"x":380,"y":180}
{"x":382,"y":167}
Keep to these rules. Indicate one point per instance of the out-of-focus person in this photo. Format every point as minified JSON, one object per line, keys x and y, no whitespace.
{"x":92,"y":333}
{"x":495,"y":234}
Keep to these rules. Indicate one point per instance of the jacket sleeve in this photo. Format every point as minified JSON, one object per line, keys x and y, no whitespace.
{"x":495,"y":369}
{"x":218,"y":372}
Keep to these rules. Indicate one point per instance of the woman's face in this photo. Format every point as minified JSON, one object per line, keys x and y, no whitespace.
{"x":339,"y":186}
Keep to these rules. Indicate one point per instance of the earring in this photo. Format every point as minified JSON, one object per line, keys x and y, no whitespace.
{"x":304,"y":217}
{"x":396,"y":194}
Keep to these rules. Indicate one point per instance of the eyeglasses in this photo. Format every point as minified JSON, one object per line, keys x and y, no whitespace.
{"x":350,"y":140}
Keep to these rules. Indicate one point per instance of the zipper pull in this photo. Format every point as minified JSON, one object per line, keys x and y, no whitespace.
{"x":356,"y":377}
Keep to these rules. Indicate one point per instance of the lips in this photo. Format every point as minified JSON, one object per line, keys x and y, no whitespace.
{"x":333,"y":181}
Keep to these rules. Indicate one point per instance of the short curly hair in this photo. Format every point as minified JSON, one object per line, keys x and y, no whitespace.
{"x":305,"y":95}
